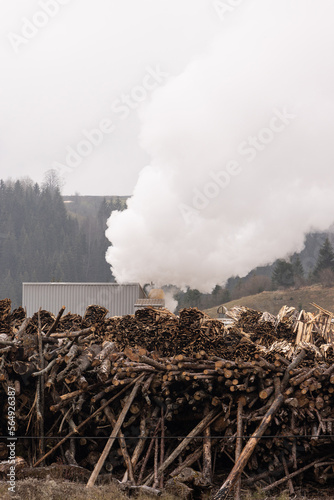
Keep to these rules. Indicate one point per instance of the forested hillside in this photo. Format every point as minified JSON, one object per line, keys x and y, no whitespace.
{"x":41,"y":241}
{"x":45,"y":236}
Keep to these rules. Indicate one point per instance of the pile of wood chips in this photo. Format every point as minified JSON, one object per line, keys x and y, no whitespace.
{"x":181,"y":402}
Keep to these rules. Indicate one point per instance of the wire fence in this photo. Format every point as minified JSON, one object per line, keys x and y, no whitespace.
{"x":227,"y":438}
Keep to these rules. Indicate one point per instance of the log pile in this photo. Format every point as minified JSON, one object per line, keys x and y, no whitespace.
{"x":158,"y":400}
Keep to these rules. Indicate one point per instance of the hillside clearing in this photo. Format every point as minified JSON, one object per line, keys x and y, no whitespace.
{"x":272,"y":302}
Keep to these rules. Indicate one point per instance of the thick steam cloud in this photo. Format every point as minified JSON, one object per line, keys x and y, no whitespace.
{"x":241,"y":148}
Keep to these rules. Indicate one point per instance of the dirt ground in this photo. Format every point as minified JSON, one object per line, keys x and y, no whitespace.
{"x":33,"y":489}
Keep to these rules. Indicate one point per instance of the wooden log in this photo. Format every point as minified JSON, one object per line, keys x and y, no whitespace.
{"x":300,"y":378}
{"x":68,"y":396}
{"x":46,"y":369}
{"x":265,"y":393}
{"x":56,"y":322}
{"x":265,"y":475}
{"x":265,"y":364}
{"x":152,"y":362}
{"x":52,"y":377}
{"x":162,"y":447}
{"x":238,"y":445}
{"x":24,"y":368}
{"x":114,"y":434}
{"x":82,"y":363}
{"x":67,"y":415}
{"x":72,"y":353}
{"x":68,"y":358}
{"x":49,"y":340}
{"x":21,"y":331}
{"x":141,"y":442}
{"x":156,"y":463}
{"x":296,"y":473}
{"x":286,"y":471}
{"x":188,"y":461}
{"x":73,"y":335}
{"x":145,"y":389}
{"x":148,"y":453}
{"x":77,"y":406}
{"x":111,"y":417}
{"x":107,"y":349}
{"x":327,"y":373}
{"x":40,"y":391}
{"x":103,"y":370}
{"x":82,"y":424}
{"x":248,"y":450}
{"x":58,"y":351}
{"x":207,"y":420}
{"x":292,"y":366}
{"x":82,"y":382}
{"x":8,"y":343}
{"x":207,"y":454}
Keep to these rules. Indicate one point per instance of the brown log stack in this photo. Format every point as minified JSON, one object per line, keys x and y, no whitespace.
{"x":154,"y":395}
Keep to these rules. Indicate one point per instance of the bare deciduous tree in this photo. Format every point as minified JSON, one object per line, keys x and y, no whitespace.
{"x":52,"y":180}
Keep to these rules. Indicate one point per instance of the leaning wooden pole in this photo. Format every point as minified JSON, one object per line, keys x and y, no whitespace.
{"x":80,"y":426}
{"x":238,"y":444}
{"x":239,"y":466}
{"x":148,"y":453}
{"x":122,"y":442}
{"x":56,"y":321}
{"x":208,"y":420}
{"x":296,"y":473}
{"x":113,"y":435}
{"x":207,"y":458}
{"x":162,"y":447}
{"x":40,"y":390}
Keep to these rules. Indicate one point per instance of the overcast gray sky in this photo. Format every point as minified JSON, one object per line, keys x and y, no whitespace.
{"x":241,"y":151}
{"x":66,"y":65}
{"x":217,"y":115}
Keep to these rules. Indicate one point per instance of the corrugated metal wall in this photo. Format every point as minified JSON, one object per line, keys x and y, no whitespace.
{"x":118,"y":299}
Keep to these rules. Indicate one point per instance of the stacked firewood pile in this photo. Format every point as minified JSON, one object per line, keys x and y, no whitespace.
{"x":157,"y":400}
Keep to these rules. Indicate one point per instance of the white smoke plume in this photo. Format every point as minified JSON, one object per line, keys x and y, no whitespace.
{"x":242,"y":155}
{"x":167,"y":293}
{"x":170,"y":302}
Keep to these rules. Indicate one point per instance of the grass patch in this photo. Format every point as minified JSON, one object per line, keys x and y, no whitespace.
{"x":34,"y":489}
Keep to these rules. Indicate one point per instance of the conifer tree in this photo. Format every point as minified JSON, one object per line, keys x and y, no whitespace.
{"x":298,"y":270}
{"x":283,"y":274}
{"x":325,"y":259}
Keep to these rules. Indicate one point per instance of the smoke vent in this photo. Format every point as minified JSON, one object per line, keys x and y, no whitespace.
{"x":156,"y":299}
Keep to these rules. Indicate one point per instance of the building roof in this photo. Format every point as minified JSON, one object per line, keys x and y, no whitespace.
{"x":150,"y":303}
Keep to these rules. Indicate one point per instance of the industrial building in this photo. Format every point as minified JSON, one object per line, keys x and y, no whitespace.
{"x":118,"y":299}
